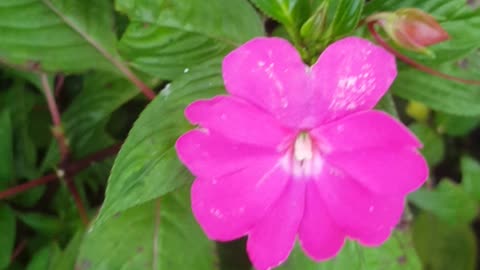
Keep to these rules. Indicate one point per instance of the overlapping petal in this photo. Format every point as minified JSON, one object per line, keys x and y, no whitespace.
{"x":363,"y":130}
{"x":227,"y":207}
{"x":389,"y":171}
{"x":351,"y":75}
{"x":238,"y":121}
{"x":362,"y":214}
{"x":319,"y":235}
{"x":208,"y":154}
{"x":273,"y":237}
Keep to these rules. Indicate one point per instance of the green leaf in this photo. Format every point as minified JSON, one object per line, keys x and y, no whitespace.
{"x":470,"y":169}
{"x":167,"y":38}
{"x":460,"y":21}
{"x":387,"y":104}
{"x":6,"y":150}
{"x":441,"y":246}
{"x":58,"y":35}
{"x":447,"y":201}
{"x":160,"y":234}
{"x":67,"y":259}
{"x":7,"y":240}
{"x":41,"y":223}
{"x":43,"y":258}
{"x":85,"y":119}
{"x":102,"y":94}
{"x":395,"y":254}
{"x":439,"y":94}
{"x":342,"y":17}
{"x":147,"y":166}
{"x":433,"y":147}
{"x":455,"y":125}
{"x":291,"y":13}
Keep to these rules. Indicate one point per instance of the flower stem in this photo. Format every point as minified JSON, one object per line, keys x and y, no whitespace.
{"x":70,"y":169}
{"x":57,"y":129}
{"x":413,"y":63}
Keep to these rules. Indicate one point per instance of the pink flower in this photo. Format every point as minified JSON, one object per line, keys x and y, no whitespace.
{"x":297,"y":151}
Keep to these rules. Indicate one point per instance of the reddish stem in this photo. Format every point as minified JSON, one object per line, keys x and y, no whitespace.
{"x":28,"y":185}
{"x":413,"y":63}
{"x":78,"y":200}
{"x":70,"y":169}
{"x":54,"y":112}
{"x":18,"y":250}
{"x":59,"y":84}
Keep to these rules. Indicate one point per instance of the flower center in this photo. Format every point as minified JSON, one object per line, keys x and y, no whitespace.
{"x":303,"y":160}
{"x":302,"y":148}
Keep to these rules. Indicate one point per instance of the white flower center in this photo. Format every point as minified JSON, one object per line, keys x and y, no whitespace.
{"x":303,"y":149}
{"x":303,"y":160}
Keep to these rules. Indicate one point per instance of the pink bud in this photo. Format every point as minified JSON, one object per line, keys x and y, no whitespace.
{"x":411,"y":28}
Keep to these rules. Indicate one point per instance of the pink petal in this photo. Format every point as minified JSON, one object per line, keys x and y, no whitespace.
{"x":367,"y":129}
{"x":390,"y":171}
{"x":320,"y":236}
{"x":237,"y":120}
{"x":269,"y":72}
{"x":208,"y":154}
{"x":273,"y":237}
{"x":228,"y":206}
{"x":363,"y":215}
{"x":352,"y":75}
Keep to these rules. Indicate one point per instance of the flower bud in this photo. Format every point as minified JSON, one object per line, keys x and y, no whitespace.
{"x":411,"y":28}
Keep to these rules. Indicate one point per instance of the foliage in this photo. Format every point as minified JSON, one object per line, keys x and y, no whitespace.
{"x":99,"y":58}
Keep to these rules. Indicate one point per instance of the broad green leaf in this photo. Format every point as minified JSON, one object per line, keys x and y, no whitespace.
{"x":43,"y":258}
{"x":459,"y":20}
{"x":41,"y":223}
{"x":447,"y":201}
{"x":147,"y":166}
{"x":291,"y":13}
{"x":455,"y":125}
{"x":439,"y":94}
{"x":58,"y":35}
{"x":441,"y":246}
{"x":433,"y":147}
{"x":67,"y":259}
{"x":470,"y":169}
{"x":7,"y":239}
{"x":395,"y":254}
{"x":167,"y":38}
{"x":160,"y":234}
{"x":6,"y":149}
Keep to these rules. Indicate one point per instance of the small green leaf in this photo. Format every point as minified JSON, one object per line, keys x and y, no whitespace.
{"x":433,"y":147}
{"x":160,"y":234}
{"x":470,"y":169}
{"x":41,"y":223}
{"x":167,"y":38}
{"x":395,"y":254}
{"x":291,"y":13}
{"x":447,"y":201}
{"x":147,"y":166}
{"x":7,"y":239}
{"x":342,"y":17}
{"x":442,"y":246}
{"x":42,"y":259}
